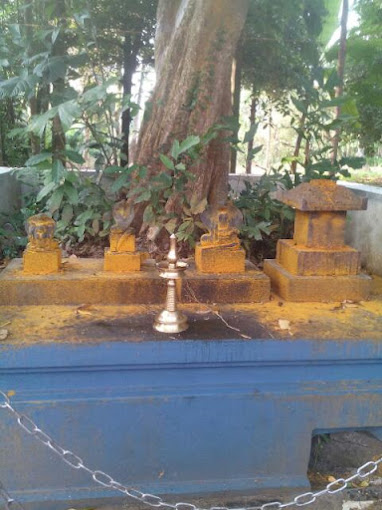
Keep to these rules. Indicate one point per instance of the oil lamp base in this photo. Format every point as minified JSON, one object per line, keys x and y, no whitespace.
{"x":170,"y":322}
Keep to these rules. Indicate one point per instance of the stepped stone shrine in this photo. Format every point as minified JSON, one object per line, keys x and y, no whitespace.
{"x":317,"y":265}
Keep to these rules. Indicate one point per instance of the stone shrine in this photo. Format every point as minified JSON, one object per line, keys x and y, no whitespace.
{"x":42,"y":254}
{"x":122,"y":255}
{"x":220,"y":251}
{"x":317,"y":265}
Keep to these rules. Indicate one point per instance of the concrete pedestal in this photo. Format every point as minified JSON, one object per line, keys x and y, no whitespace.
{"x":84,"y":281}
{"x":307,"y":288}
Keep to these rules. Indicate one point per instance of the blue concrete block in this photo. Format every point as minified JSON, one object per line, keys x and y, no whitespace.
{"x":181,"y":417}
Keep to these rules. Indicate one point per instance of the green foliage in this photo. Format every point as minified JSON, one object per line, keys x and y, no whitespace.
{"x":363,"y":79}
{"x":170,"y":203}
{"x":312,"y":118}
{"x":265,"y":219}
{"x":76,"y":201}
{"x":279,"y":44}
{"x":13,"y":237}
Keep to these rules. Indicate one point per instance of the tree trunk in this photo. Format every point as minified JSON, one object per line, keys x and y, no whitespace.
{"x":269,"y":143}
{"x":130,"y":62}
{"x":137,"y":118}
{"x":195,"y":44}
{"x":59,"y":49}
{"x":236,"y":82}
{"x":29,"y":21}
{"x":341,"y":71}
{"x":252,"y":118}
{"x":298,"y":144}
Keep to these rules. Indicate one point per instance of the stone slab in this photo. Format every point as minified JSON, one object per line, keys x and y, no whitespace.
{"x":316,"y":288}
{"x":303,"y":261}
{"x":219,"y":259}
{"x":83,"y":281}
{"x":122,"y":262}
{"x":41,"y":262}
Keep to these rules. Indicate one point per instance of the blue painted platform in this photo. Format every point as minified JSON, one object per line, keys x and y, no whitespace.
{"x":181,"y":417}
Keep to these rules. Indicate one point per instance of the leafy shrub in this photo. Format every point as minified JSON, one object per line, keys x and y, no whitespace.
{"x":265,"y":219}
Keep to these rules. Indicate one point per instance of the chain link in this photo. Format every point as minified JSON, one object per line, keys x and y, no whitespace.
{"x":106,"y":480}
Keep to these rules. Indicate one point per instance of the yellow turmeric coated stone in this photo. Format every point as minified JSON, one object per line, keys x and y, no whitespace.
{"x":42,"y":254}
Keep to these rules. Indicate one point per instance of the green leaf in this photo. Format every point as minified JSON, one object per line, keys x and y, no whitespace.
{"x":142,"y":172}
{"x":254,"y":151}
{"x":332,"y":81}
{"x":143,"y":197}
{"x":119,"y":183}
{"x":167,"y":162}
{"x":148,"y":215}
{"x":17,"y":86}
{"x":51,"y":69}
{"x":189,"y":142}
{"x":71,"y":192}
{"x":67,"y":213}
{"x":84,"y":217}
{"x":175,"y":150}
{"x":58,"y":170}
{"x":171,"y":225}
{"x":55,"y":34}
{"x":68,"y":112}
{"x":38,"y":123}
{"x":56,"y":199}
{"x":250,"y":133}
{"x":354,"y":162}
{"x":299,"y":105}
{"x":38,"y":158}
{"x":74,"y":156}
{"x":45,"y":191}
{"x":165,"y":179}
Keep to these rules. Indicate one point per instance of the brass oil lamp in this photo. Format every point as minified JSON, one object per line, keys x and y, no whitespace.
{"x":171,"y":320}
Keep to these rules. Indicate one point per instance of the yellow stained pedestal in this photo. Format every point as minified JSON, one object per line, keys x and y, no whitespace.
{"x":304,"y":261}
{"x":122,"y":262}
{"x":219,"y":259}
{"x":121,"y":241}
{"x":84,"y":281}
{"x":122,"y":257}
{"x":41,"y":262}
{"x":316,"y":288}
{"x":42,"y":254}
{"x":317,"y":265}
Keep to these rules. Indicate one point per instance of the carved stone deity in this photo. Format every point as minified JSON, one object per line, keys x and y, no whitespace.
{"x":219,"y":251}
{"x":42,"y":254}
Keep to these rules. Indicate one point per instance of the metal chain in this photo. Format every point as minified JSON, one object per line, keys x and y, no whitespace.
{"x":106,"y":480}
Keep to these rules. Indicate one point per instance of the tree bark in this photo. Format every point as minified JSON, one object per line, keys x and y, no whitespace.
{"x":236,"y":96}
{"x":59,"y":49}
{"x":130,"y":62}
{"x":252,"y":118}
{"x":194,"y":48}
{"x":29,"y":21}
{"x":340,"y":72}
{"x":298,"y":144}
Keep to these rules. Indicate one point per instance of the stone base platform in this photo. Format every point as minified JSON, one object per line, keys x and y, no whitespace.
{"x":83,"y":281}
{"x":316,"y":288}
